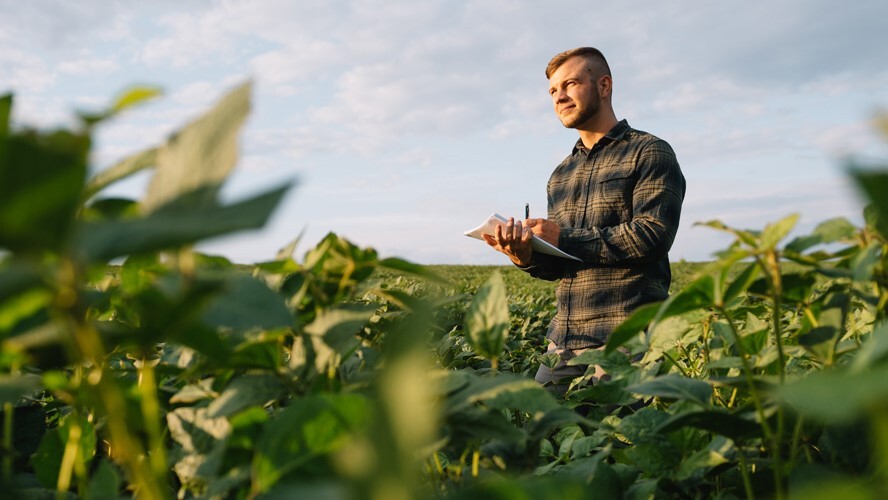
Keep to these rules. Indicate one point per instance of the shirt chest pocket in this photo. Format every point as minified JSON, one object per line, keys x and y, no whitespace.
{"x":612,"y":199}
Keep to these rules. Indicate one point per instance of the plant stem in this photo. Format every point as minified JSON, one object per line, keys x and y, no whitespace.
{"x":8,"y":417}
{"x":151,"y":417}
{"x":744,"y":473}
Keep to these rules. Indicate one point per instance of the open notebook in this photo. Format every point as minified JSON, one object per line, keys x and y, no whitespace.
{"x":539,"y":245}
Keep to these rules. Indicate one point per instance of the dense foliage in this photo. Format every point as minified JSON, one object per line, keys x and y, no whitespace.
{"x":346,"y":375}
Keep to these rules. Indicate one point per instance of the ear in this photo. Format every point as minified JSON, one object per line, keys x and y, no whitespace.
{"x":605,"y":86}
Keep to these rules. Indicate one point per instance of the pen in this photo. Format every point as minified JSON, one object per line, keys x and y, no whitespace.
{"x":527,"y":210}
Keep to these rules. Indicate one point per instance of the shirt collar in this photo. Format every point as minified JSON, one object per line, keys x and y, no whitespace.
{"x":614,"y":134}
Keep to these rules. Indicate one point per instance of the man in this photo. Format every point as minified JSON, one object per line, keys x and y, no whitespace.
{"x":614,"y":202}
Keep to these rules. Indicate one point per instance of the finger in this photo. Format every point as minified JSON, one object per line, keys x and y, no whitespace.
{"x":527,"y":235}
{"x":518,"y":230}
{"x":510,"y":228}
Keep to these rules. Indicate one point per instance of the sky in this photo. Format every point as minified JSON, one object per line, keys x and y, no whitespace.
{"x":405,"y":123}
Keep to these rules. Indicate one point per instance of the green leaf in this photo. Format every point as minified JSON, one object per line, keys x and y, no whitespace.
{"x":41,"y":178}
{"x":874,"y":185}
{"x":201,"y":444}
{"x":201,"y":154}
{"x":246,"y":391}
{"x":487,"y":319}
{"x":632,"y":326}
{"x":718,"y":422}
{"x":172,"y":227}
{"x":833,"y":396}
{"x":873,"y":351}
{"x":48,"y":460}
{"x":776,"y":231}
{"x":696,"y":295}
{"x":310,"y":427}
{"x":134,"y":96}
{"x":673,"y":386}
{"x":105,"y":482}
{"x":246,"y":303}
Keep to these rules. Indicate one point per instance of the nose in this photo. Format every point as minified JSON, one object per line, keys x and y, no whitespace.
{"x":559,"y":96}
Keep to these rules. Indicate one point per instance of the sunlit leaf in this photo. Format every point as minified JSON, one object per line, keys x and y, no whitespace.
{"x":487,"y":319}
{"x":202,"y":153}
{"x":776,"y":231}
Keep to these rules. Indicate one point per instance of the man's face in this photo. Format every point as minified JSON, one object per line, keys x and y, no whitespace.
{"x":574,"y":93}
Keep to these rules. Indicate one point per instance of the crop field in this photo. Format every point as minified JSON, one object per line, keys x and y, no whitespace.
{"x":133,"y":366}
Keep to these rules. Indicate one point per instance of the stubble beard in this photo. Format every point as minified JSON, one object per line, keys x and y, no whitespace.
{"x":582,"y":115}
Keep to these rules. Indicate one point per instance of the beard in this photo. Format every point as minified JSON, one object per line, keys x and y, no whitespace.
{"x":583,"y":113}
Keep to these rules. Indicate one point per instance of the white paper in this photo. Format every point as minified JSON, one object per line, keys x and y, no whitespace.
{"x":538,"y":244}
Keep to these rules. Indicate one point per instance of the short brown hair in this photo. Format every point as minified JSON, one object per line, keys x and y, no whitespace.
{"x":590,"y":53}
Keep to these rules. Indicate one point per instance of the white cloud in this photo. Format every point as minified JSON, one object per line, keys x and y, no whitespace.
{"x":88,"y":66}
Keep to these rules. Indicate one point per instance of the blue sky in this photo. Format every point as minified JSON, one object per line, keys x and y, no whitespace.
{"x":406,"y":123}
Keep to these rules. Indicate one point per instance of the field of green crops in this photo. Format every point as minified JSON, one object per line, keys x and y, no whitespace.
{"x":133,"y":366}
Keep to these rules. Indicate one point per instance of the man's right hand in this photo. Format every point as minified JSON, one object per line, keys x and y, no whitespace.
{"x":512,"y":240}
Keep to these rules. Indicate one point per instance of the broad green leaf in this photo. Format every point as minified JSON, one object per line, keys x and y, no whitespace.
{"x":41,"y":178}
{"x":776,"y":231}
{"x":201,"y":154}
{"x":673,"y":386}
{"x":487,"y":319}
{"x":719,"y":422}
{"x":506,"y":390}
{"x":837,"y":229}
{"x":172,"y":228}
{"x":704,"y":460}
{"x":632,"y":326}
{"x":246,"y":303}
{"x":874,"y":184}
{"x":340,"y":325}
{"x":696,"y":295}
{"x":105,"y":482}
{"x":201,"y":444}
{"x":834,"y":396}
{"x":873,"y":351}
{"x":48,"y":460}
{"x":246,"y":391}
{"x":310,"y":427}
{"x":741,"y":282}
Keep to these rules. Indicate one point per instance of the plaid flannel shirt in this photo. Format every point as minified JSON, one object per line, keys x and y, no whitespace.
{"x":618,"y":205}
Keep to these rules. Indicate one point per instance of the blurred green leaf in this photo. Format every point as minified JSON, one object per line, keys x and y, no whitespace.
{"x":246,"y":391}
{"x":874,"y":185}
{"x":674,"y":386}
{"x":873,"y":351}
{"x":487,"y":319}
{"x":201,"y":154}
{"x":172,"y":228}
{"x":836,"y":396}
{"x":246,"y":303}
{"x":48,"y":460}
{"x":201,"y":444}
{"x":105,"y":482}
{"x":41,"y":178}
{"x":310,"y":427}
{"x":134,"y":96}
{"x":715,"y":421}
